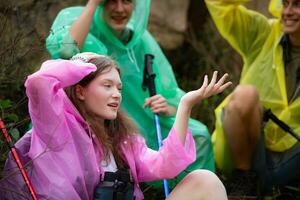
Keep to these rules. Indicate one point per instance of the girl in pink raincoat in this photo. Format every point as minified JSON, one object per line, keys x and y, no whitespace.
{"x":81,"y":142}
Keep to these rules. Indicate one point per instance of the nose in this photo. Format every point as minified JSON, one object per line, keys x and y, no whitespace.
{"x":119,"y":6}
{"x":117,"y":94}
{"x":289,"y":9}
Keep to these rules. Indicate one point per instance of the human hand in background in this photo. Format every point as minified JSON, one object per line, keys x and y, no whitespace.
{"x":158,"y":104}
{"x":94,"y":2}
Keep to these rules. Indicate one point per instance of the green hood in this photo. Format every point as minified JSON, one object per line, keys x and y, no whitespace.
{"x":138,"y":24}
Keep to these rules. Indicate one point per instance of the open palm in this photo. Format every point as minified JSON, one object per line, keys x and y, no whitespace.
{"x":206,"y":90}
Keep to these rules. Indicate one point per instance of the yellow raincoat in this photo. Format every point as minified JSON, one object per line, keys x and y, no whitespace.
{"x":257,"y":39}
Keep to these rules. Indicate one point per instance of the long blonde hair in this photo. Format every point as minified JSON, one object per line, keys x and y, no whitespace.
{"x":112,"y":132}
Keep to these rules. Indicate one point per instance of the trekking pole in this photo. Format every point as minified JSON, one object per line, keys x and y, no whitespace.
{"x":18,"y":160}
{"x":148,"y":81}
{"x":268,"y":114}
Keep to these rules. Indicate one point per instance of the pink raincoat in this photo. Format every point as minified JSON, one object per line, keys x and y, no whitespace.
{"x":63,"y":155}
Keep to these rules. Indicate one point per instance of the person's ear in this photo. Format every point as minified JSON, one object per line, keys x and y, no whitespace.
{"x":80,"y":92}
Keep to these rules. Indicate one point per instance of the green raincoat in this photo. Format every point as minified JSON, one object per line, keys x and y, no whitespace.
{"x":130,"y":57}
{"x":257,"y":40}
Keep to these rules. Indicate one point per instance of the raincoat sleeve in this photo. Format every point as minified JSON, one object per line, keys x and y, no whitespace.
{"x":60,"y":43}
{"x":244,"y":29}
{"x":47,"y":97}
{"x":166,"y":163}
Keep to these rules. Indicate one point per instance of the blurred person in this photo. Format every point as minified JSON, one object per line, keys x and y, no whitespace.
{"x":244,"y":145}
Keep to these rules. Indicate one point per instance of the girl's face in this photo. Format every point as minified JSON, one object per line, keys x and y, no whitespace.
{"x":117,"y":13}
{"x":102,"y":96}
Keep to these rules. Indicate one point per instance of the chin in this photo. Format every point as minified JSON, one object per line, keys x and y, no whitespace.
{"x":111,"y":117}
{"x":118,"y":28}
{"x":107,"y":116}
{"x":291,"y":29}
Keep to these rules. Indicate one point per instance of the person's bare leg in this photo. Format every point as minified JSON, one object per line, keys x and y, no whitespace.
{"x":199,"y":185}
{"x":242,"y":121}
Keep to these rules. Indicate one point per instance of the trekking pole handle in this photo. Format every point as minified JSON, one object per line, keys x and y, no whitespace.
{"x":148,"y":81}
{"x":150,"y":74}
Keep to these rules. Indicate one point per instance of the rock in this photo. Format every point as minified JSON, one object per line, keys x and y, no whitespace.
{"x":168,"y":22}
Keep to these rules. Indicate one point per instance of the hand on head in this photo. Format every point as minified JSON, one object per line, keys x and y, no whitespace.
{"x":206,"y":90}
{"x":86,"y":56}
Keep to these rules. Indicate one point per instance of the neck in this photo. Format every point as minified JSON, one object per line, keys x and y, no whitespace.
{"x":118,"y":33}
{"x":294,"y":39}
{"x":123,"y":35}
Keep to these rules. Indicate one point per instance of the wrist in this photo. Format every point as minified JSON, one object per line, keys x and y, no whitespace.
{"x":91,"y":6}
{"x":171,"y":110}
{"x":184,"y":108}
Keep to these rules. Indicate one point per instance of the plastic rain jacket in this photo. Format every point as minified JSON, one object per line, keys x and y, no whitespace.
{"x":130,"y":57}
{"x":257,"y":40}
{"x":63,"y":155}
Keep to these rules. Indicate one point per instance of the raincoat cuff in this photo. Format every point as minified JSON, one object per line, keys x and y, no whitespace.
{"x":68,"y":47}
{"x":186,"y":151}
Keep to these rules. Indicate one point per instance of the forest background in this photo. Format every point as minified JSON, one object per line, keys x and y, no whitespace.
{"x":183,"y":29}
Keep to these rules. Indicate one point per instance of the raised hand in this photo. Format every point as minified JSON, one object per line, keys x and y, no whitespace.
{"x":196,"y":96}
{"x":81,"y":26}
{"x":95,"y":2}
{"x":206,"y":90}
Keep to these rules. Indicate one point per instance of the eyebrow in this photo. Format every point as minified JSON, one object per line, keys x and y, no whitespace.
{"x":111,"y":81}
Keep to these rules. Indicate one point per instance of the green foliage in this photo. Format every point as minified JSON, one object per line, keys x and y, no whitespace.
{"x":10,"y":119}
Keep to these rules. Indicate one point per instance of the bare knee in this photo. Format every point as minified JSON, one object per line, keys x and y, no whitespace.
{"x":203,"y":178}
{"x":199,"y":184}
{"x":244,"y":100}
{"x":207,"y":182}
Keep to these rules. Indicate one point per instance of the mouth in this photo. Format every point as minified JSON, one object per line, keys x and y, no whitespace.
{"x":113,"y":105}
{"x":119,"y":19}
{"x":289,"y":22}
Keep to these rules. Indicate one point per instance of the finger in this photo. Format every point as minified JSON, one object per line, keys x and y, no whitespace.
{"x":88,"y":56}
{"x":221,"y":81}
{"x":147,"y":102}
{"x":158,"y":105}
{"x":213,"y":81}
{"x":159,"y":110}
{"x":205,"y":82}
{"x":156,"y":97}
{"x":201,"y":90}
{"x":223,"y":87}
{"x":210,"y":88}
{"x":216,"y":87}
{"x":154,"y":100}
{"x":160,"y":100}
